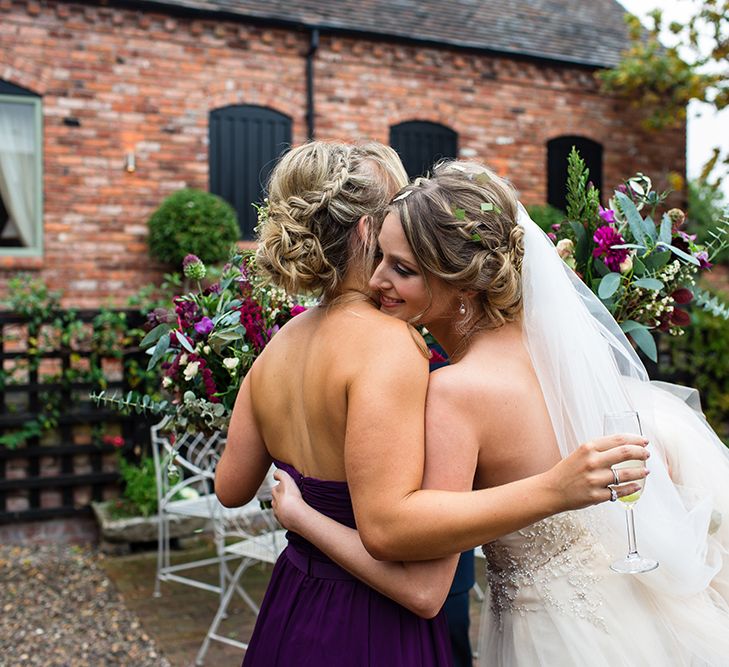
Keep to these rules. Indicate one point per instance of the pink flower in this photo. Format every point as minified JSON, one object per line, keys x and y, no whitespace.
{"x":204,"y":326}
{"x":703,"y":258}
{"x":297,"y":310}
{"x":552,"y":237}
{"x":607,"y":215}
{"x":605,"y":238}
{"x":114,"y":440}
{"x":682,"y":295}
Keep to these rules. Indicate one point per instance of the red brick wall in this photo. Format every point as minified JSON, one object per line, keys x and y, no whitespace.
{"x":147,"y":81}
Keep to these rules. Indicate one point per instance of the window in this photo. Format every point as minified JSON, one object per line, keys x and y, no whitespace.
{"x":421,"y":143}
{"x":245,"y":142}
{"x":557,"y":151}
{"x":21,"y":214}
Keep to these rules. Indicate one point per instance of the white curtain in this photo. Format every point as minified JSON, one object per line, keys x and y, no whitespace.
{"x":18,"y":177}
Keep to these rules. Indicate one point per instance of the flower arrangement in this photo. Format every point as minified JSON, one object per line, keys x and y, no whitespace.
{"x":641,"y":266}
{"x":203,"y":346}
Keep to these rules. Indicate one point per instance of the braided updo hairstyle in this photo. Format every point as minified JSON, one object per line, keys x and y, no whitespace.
{"x":461,"y":224}
{"x":317,"y":194}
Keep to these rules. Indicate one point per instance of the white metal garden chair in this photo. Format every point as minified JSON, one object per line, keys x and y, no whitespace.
{"x":185,"y":475}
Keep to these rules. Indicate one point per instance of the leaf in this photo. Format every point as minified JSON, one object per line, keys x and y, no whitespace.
{"x":162,"y":346}
{"x":680,"y":253}
{"x":609,"y":285}
{"x":600,"y":266}
{"x":632,"y":246}
{"x":666,"y":229}
{"x":183,"y":340}
{"x":649,"y":283}
{"x":644,"y":340}
{"x":582,"y":246}
{"x":629,"y":325}
{"x":649,"y":227}
{"x":459,"y":214}
{"x":656,"y":259}
{"x":635,"y":222}
{"x":154,"y":335}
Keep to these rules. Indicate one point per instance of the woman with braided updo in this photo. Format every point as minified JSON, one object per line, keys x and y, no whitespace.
{"x":337,"y":399}
{"x":536,"y":364}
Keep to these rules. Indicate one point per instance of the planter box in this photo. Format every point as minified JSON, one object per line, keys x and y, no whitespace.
{"x":142,"y":529}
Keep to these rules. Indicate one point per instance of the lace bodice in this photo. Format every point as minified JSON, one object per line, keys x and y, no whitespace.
{"x":554,"y":563}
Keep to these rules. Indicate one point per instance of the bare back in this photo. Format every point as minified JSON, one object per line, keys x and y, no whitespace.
{"x":299,"y":385}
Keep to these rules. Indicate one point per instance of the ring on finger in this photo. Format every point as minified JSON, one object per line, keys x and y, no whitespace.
{"x":613,"y":495}
{"x":615,"y":476}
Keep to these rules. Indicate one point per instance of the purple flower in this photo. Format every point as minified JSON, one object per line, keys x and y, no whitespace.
{"x":552,"y":237}
{"x":607,"y":215}
{"x":204,"y":326}
{"x":297,"y":310}
{"x":556,"y":227}
{"x":687,"y":237}
{"x":605,"y":238}
{"x":703,"y":258}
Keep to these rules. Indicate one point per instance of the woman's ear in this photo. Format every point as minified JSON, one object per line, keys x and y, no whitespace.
{"x":363,"y":229}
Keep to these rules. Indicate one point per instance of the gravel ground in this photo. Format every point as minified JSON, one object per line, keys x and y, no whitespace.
{"x":58,"y":608}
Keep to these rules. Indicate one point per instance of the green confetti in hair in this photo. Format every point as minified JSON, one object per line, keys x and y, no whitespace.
{"x":483,"y":179}
{"x":476,"y":238}
{"x":459,"y":213}
{"x":488,"y":206}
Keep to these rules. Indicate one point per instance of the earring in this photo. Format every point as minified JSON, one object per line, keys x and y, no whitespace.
{"x":462,"y":309}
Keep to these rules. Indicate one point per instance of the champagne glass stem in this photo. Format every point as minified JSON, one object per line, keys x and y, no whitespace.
{"x":632,"y":546}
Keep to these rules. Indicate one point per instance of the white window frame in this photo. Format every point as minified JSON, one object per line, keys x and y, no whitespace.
{"x":37,"y":249}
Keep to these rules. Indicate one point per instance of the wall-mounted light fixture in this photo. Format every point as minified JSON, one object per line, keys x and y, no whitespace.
{"x":130,"y":162}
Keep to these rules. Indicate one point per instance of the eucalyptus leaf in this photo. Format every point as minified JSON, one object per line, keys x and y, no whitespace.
{"x":649,"y":227}
{"x":657,"y":259}
{"x":162,"y":346}
{"x":609,"y":285}
{"x":680,"y":253}
{"x":184,"y":341}
{"x":632,"y":246}
{"x":633,"y":217}
{"x":666,"y":229}
{"x":649,"y":283}
{"x":154,"y":335}
{"x":644,"y":340}
{"x":630,"y":325}
{"x":638,"y":267}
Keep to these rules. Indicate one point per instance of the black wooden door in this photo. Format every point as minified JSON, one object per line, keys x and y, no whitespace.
{"x":557,"y":151}
{"x":245,"y":142}
{"x":421,"y":143}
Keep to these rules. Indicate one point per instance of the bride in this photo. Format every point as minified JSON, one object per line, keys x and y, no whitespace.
{"x":523,"y":316}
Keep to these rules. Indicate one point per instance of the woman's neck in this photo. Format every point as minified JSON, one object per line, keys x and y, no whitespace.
{"x":456,"y":344}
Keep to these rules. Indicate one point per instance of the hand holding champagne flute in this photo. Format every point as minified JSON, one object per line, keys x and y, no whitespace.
{"x":633,"y":563}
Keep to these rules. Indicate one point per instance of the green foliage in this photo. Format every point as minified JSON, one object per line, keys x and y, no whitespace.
{"x":546,"y":216}
{"x":192,"y":222}
{"x":30,"y":297}
{"x":699,"y":359}
{"x":706,"y":205}
{"x":140,"y":484}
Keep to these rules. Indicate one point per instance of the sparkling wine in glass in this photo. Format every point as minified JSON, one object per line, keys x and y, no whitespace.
{"x":633,"y":563}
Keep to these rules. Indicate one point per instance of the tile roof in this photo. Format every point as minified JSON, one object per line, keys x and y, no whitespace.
{"x":586,"y":32}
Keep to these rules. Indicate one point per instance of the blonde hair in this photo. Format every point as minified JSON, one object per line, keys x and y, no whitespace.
{"x":317,"y":194}
{"x":461,"y":224}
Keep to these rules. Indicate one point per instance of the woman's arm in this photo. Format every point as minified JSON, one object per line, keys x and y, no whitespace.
{"x":420,"y":587}
{"x":384,"y":458}
{"x":245,"y":460}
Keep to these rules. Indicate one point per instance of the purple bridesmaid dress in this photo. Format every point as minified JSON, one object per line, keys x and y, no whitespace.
{"x":315,"y":614}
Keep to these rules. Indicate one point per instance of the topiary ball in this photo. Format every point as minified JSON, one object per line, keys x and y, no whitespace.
{"x":193,"y":222}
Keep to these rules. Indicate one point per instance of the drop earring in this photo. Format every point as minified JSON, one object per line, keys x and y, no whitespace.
{"x":462,"y":309}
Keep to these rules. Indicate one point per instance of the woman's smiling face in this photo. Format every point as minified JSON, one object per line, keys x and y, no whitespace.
{"x":400,"y":284}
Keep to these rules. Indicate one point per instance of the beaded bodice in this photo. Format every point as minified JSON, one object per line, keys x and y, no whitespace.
{"x":553,"y":565}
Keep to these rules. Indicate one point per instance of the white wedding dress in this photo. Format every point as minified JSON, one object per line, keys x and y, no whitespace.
{"x":553,"y":600}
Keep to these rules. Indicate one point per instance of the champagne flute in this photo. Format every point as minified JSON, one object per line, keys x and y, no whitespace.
{"x":633,"y":563}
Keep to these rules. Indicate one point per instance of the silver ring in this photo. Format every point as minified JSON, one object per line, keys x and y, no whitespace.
{"x":613,"y":495}
{"x":615,"y":475}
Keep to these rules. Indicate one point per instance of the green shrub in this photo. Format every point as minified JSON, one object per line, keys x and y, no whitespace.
{"x":140,"y":484}
{"x":196,"y":222}
{"x":699,"y":359}
{"x":546,"y":216}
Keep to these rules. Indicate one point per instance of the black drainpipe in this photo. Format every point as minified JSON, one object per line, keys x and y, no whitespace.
{"x":313,"y":46}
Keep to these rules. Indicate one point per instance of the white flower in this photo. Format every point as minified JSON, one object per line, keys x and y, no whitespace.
{"x":183,"y":359}
{"x":206,"y":349}
{"x":166,"y":382}
{"x":191,"y":370}
{"x":231,"y":362}
{"x":626,"y":265}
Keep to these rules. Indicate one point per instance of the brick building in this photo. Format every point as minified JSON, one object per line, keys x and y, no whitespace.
{"x":114,"y":105}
